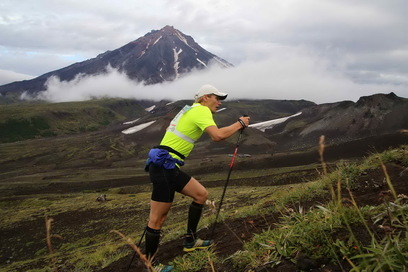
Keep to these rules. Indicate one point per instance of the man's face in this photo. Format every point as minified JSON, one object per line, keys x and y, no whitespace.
{"x":213,"y":102}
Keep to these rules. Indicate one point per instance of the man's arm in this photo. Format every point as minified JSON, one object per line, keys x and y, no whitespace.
{"x":218,"y":134}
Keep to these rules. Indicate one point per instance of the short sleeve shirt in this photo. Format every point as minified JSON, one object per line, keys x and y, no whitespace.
{"x":192,"y":124}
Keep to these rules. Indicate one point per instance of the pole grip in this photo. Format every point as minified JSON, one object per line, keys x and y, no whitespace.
{"x":242,"y":122}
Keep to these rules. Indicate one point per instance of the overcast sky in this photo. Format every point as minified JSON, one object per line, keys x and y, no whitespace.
{"x":318,"y":50}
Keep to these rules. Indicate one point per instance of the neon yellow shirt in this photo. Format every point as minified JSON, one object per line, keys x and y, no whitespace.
{"x":191,"y":124}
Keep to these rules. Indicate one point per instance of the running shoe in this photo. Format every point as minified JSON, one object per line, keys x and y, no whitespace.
{"x":162,"y":268}
{"x":197,"y":244}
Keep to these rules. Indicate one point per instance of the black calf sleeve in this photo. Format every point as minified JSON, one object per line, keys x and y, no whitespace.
{"x":194,"y":215}
{"x":152,"y":241}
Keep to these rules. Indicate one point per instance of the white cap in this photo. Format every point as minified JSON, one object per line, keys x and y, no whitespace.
{"x":209,"y":89}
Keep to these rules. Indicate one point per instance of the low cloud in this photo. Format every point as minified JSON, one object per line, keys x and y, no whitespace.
{"x":287,"y":73}
{"x":10,"y":76}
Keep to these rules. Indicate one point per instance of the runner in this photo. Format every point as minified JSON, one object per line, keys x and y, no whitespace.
{"x":166,"y":176}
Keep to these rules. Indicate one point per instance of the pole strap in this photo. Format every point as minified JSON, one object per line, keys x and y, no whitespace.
{"x":242,"y":123}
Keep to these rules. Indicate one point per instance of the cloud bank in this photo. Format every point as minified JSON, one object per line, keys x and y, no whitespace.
{"x":285,"y":73}
{"x":11,"y":76}
{"x":340,"y":49}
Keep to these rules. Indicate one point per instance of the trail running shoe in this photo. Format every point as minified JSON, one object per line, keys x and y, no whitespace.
{"x":197,"y":244}
{"x":162,"y":268}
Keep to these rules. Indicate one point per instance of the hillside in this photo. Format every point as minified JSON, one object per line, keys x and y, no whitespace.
{"x":342,"y":122}
{"x":89,"y":134}
{"x":275,"y":219}
{"x":56,"y":159}
{"x":24,"y":121}
{"x":313,"y":230}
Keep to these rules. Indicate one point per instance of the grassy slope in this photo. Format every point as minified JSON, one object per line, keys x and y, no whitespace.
{"x":34,"y":120}
{"x":340,"y":229}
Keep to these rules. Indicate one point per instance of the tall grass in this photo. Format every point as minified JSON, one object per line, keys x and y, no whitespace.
{"x":49,"y":236}
{"x":370,"y":238}
{"x":147,"y":262}
{"x":197,"y":261}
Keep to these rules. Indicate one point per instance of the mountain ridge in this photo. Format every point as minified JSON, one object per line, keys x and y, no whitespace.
{"x":341,"y":122}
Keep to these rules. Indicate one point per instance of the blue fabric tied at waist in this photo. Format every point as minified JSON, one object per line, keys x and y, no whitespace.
{"x":162,"y":158}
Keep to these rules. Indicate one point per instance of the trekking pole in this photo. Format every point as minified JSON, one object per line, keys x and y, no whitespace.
{"x":134,"y":254}
{"x":227,"y":181}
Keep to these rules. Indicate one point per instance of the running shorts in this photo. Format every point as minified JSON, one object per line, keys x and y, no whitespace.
{"x":166,"y":182}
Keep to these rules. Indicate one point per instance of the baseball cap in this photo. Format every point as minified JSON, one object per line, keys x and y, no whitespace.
{"x":209,"y":89}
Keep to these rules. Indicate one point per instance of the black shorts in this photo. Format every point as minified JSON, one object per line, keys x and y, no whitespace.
{"x":166,"y":182}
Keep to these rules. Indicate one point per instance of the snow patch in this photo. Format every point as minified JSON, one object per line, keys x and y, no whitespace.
{"x":176,"y":62}
{"x":262,"y":126}
{"x":200,"y":61}
{"x":137,"y":128}
{"x":157,"y":40}
{"x":223,"y":63}
{"x":180,"y":36}
{"x":150,"y":108}
{"x":131,"y":122}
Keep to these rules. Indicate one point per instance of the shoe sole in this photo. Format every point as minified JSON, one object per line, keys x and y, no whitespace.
{"x":194,"y":248}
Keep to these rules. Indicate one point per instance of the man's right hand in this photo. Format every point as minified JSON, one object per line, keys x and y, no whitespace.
{"x":245,"y":119}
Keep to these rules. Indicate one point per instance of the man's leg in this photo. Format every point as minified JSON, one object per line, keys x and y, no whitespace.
{"x":195,"y":190}
{"x":194,"y":214}
{"x":158,"y":214}
{"x":199,"y":194}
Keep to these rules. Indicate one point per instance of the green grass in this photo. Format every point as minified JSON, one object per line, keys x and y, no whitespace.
{"x":196,"y":261}
{"x":319,"y":233}
{"x":23,"y":121}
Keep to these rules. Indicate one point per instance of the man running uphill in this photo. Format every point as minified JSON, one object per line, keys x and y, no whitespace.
{"x":166,"y":159}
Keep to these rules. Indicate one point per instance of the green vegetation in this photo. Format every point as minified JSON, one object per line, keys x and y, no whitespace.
{"x":20,"y":129}
{"x":36,"y":120}
{"x":319,"y":233}
{"x":319,"y":220}
{"x":196,"y":261}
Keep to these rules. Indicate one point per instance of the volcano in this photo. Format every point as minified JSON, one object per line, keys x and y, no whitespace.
{"x":159,"y":56}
